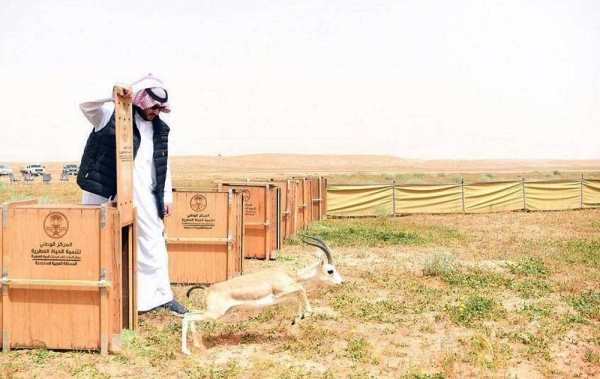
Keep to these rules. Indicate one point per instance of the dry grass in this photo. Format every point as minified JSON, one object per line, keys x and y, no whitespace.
{"x":434,"y":296}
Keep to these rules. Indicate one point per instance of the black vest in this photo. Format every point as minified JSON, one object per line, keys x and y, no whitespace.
{"x":98,"y":168}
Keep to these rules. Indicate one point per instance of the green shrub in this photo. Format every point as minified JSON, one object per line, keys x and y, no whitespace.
{"x":440,"y":264}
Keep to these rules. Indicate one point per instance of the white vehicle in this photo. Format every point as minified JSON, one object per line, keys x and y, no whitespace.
{"x":70,"y":169}
{"x":5,"y":169}
{"x":34,"y":169}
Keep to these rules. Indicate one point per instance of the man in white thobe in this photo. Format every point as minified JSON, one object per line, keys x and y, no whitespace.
{"x":151,"y":181}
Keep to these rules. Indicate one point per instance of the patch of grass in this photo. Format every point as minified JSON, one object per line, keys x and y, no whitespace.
{"x":536,"y":311}
{"x":354,"y":304}
{"x":298,"y":371}
{"x":313,"y":340}
{"x":531,"y":288}
{"x":481,"y":351}
{"x":477,"y":279}
{"x":42,"y":356}
{"x":423,"y":375}
{"x":587,"y":303}
{"x":422,"y":298}
{"x":359,"y":349}
{"x":56,"y":193}
{"x":535,"y":345}
{"x":582,"y":251}
{"x":381,"y":311}
{"x":476,"y":308}
{"x":529,"y":267}
{"x":153,"y":341}
{"x":380,"y":232}
{"x":230,"y":370}
{"x":361,"y":233}
{"x":11,"y":367}
{"x":592,"y":356}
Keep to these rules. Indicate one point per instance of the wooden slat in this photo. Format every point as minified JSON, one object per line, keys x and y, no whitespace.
{"x":124,"y":139}
{"x":198,"y":240}
{"x":56,"y":283}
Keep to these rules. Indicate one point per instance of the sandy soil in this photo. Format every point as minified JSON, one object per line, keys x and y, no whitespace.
{"x":323,"y":164}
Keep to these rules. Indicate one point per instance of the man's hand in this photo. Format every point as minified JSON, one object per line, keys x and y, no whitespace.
{"x":167,"y":209}
{"x":124,"y":92}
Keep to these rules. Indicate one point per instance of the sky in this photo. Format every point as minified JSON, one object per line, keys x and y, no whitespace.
{"x":415,"y":79}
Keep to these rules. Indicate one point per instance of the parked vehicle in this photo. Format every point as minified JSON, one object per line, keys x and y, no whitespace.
{"x":34,"y":169}
{"x":71,"y":169}
{"x":5,"y":169}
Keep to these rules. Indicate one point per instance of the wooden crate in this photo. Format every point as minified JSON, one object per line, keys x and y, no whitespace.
{"x":69,"y":272}
{"x":262,"y":218}
{"x":66,"y":279}
{"x":205,"y":236}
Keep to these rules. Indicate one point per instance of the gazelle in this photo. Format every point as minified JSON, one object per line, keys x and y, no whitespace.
{"x":261,"y":289}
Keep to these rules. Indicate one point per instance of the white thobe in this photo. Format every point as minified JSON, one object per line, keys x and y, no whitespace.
{"x":153,"y":284}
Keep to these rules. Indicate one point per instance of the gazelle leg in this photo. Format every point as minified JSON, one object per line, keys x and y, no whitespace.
{"x":308,"y":309}
{"x":184,"y":329}
{"x":189,"y":320}
{"x":195,"y":335}
{"x":302,"y":301}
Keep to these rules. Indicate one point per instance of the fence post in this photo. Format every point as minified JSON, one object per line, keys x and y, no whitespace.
{"x":393,"y":198}
{"x":581,"y":187}
{"x":524,"y":194}
{"x":462,"y":188}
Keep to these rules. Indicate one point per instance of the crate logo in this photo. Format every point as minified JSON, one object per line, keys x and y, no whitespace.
{"x":246,"y":195}
{"x":56,"y":225}
{"x":124,"y":134}
{"x":198,"y":203}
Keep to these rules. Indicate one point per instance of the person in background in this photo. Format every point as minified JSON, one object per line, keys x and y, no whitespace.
{"x":152,"y":183}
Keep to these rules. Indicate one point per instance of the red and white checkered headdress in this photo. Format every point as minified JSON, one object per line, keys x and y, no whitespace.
{"x":150,"y":91}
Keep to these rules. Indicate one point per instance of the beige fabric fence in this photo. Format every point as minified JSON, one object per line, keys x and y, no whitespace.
{"x":393,"y":199}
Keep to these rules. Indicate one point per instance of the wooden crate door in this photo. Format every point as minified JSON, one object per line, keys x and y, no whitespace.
{"x":256,"y":244}
{"x":198,"y":237}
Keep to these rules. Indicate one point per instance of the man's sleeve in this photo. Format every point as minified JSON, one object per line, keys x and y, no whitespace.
{"x":168,"y":197}
{"x":98,"y":112}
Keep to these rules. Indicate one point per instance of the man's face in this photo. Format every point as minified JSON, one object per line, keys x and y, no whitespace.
{"x":149,"y":114}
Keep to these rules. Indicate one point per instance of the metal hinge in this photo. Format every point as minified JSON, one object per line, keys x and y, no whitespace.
{"x":103,"y":216}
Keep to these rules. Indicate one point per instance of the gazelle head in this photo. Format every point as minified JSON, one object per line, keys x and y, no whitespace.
{"x":329,"y":274}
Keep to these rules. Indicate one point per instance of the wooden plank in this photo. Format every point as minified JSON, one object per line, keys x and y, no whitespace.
{"x":124,"y":139}
{"x":197,"y":240}
{"x":56,"y":283}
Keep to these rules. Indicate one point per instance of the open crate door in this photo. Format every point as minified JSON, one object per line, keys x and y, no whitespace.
{"x":124,"y":151}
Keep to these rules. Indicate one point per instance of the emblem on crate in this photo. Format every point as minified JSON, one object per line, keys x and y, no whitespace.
{"x":198,"y":203}
{"x":124,"y":135}
{"x":56,"y":225}
{"x":246,"y":195}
